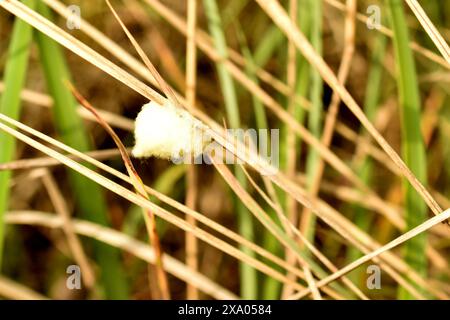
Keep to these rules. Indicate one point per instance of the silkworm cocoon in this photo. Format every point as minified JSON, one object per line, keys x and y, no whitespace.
{"x":168,"y":132}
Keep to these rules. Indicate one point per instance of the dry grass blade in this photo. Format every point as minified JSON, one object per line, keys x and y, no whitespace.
{"x":191,"y":175}
{"x":43,"y":100}
{"x":161,"y":82}
{"x":403,"y":238}
{"x":291,"y":139}
{"x":429,"y":27}
{"x":48,"y":162}
{"x":74,"y":243}
{"x":163,"y":290}
{"x":13,"y":290}
{"x":126,"y":243}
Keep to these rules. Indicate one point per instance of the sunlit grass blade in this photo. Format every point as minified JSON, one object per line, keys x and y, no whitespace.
{"x":413,"y":148}
{"x":90,"y":201}
{"x":14,"y":79}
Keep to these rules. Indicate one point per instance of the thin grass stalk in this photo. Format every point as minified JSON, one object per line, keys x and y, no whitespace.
{"x":266,"y":47}
{"x":191,"y":174}
{"x":90,"y":201}
{"x":289,"y":148}
{"x":10,"y":105}
{"x":431,"y":30}
{"x":307,"y":221}
{"x":258,"y":107}
{"x":249,"y":280}
{"x":444,"y":136}
{"x":300,"y":87}
{"x":165,"y":184}
{"x":290,"y":228}
{"x":74,"y":243}
{"x":413,"y":148}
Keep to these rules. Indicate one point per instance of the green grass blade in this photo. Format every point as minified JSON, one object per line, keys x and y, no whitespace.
{"x":413,"y":148}
{"x":315,"y":115}
{"x":249,"y":280}
{"x":272,"y":39}
{"x":89,"y":196}
{"x":14,"y":79}
{"x":232,"y":11}
{"x":258,"y":107}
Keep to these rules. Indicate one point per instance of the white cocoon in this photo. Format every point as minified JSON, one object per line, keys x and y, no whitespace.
{"x":167,"y":132}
